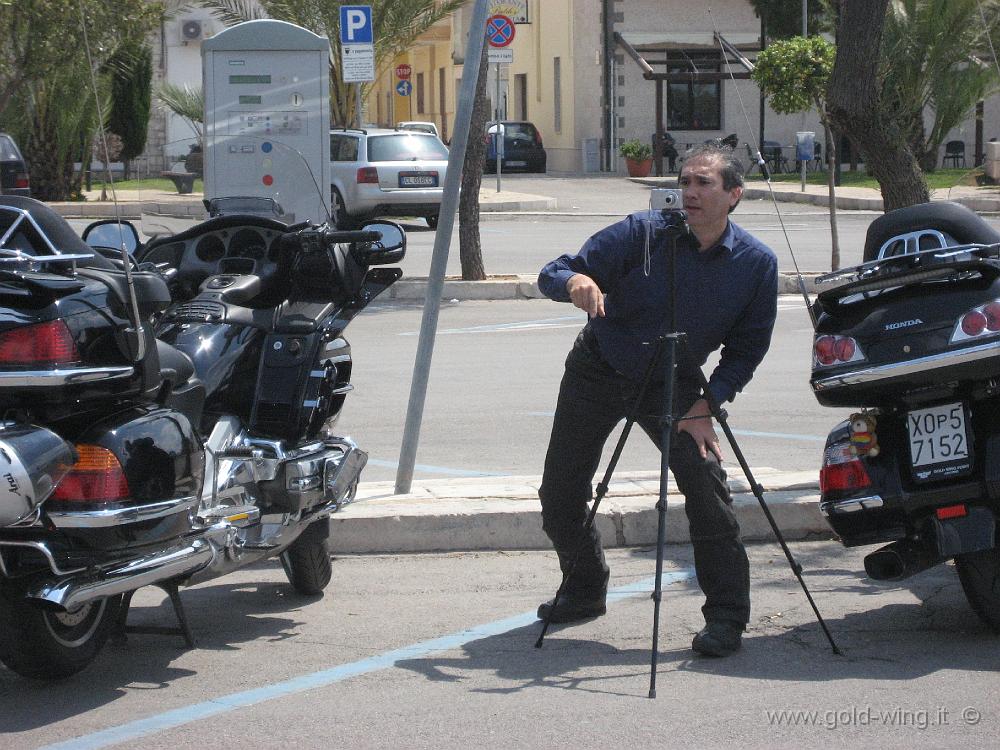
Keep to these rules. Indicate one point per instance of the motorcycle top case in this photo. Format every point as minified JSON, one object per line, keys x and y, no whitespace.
{"x":926,"y":315}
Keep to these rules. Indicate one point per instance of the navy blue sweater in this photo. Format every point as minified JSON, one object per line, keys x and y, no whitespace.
{"x":726,"y":296}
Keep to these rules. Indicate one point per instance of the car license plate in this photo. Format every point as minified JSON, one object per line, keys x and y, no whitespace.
{"x":416,"y":179}
{"x":516,"y":163}
{"x":939,"y":441}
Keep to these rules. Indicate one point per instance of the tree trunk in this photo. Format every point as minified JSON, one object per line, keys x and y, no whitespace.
{"x":854,"y":105}
{"x":831,"y":160}
{"x":470,"y":248}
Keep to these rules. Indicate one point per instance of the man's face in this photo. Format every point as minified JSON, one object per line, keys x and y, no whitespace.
{"x":705,"y":200}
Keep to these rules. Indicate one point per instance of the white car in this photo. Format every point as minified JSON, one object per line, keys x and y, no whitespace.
{"x":382,"y":172}
{"x":419,"y":127}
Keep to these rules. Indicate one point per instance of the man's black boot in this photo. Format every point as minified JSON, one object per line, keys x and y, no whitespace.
{"x":573,"y":607}
{"x":718,"y":638}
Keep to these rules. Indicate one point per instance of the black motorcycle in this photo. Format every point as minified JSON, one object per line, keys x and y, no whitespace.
{"x":911,"y":338}
{"x":169,"y":410}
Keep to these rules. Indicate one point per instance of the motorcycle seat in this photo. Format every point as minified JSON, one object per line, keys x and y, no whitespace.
{"x":150,"y":288}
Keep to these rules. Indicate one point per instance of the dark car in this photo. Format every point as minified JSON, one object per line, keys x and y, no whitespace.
{"x":522,"y":147}
{"x":13,"y":170}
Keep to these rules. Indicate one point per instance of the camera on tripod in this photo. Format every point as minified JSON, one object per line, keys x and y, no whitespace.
{"x":661,"y":199}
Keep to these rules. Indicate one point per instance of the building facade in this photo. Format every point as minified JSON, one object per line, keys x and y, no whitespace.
{"x":572,"y":75}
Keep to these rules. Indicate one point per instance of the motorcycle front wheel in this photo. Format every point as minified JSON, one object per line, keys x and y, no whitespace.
{"x":47,"y":644}
{"x":307,"y":560}
{"x":979,"y":573}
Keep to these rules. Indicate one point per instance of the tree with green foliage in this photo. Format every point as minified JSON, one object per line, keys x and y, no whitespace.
{"x":131,"y":71}
{"x":936,"y":60}
{"x":395,"y":25}
{"x":857,"y":104}
{"x":54,"y":54}
{"x":185,"y":101}
{"x":793,"y":74}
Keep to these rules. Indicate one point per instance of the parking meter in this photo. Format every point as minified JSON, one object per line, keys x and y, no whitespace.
{"x":266,"y":87}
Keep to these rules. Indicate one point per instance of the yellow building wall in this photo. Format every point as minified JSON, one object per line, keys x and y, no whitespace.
{"x":536,"y":46}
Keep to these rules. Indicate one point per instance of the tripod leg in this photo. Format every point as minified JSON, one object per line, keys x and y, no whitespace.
{"x":758,"y":491}
{"x":602,"y":489}
{"x":661,"y":505}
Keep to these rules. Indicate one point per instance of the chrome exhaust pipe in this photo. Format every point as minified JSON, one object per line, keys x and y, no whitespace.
{"x":900,"y":560}
{"x":71,"y":593}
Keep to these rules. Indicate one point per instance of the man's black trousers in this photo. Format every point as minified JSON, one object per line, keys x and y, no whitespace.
{"x":593,"y":398}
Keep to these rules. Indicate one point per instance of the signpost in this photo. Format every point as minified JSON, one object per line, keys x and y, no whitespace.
{"x":357,"y":49}
{"x":499,"y":33}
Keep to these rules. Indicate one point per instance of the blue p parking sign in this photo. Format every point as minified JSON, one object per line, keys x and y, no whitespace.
{"x":356,"y":24}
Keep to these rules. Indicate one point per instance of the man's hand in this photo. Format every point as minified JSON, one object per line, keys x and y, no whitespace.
{"x":585,"y":294}
{"x":698,"y":424}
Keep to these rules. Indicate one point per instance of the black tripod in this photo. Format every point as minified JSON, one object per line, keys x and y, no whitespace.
{"x":667,"y":345}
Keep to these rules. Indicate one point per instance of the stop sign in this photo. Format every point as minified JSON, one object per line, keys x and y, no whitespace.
{"x":403,"y":71}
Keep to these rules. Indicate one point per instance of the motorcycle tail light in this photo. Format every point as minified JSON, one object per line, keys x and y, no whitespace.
{"x":952,"y":511}
{"x":835,"y":350}
{"x":842,"y":470}
{"x":96,"y":477}
{"x":983,"y":320}
{"x":840,"y":477}
{"x":368,"y":175}
{"x":47,"y":343}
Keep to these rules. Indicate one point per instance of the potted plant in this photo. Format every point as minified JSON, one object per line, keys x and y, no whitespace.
{"x":638,"y":157}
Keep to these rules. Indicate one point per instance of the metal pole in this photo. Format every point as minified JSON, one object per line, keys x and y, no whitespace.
{"x":357,"y":103}
{"x":499,"y":134}
{"x":805,"y":33}
{"x":442,"y":242}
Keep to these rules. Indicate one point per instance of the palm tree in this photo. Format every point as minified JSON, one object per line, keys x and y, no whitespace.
{"x":936,"y":59}
{"x":395,"y":25}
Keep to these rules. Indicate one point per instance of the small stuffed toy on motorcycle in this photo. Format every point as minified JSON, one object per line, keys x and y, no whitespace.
{"x":864,"y":441}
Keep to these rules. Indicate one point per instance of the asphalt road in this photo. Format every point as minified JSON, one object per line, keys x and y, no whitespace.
{"x":436,"y":651}
{"x":494,"y":380}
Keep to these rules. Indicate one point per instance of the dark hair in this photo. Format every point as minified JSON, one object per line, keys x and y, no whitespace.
{"x":732,"y":168}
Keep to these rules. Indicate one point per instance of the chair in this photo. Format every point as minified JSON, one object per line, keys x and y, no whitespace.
{"x":752,"y":162}
{"x":954,"y":150}
{"x":776,"y":160}
{"x":817,"y":160}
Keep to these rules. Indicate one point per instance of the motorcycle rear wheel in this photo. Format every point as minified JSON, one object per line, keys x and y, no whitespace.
{"x":49,"y":645}
{"x":979,"y":573}
{"x":307,"y":560}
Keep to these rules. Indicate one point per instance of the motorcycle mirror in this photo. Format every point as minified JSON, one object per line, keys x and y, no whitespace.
{"x":112,"y":233}
{"x":390,"y":248}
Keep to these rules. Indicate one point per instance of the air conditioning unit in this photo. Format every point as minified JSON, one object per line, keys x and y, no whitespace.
{"x":193,"y":29}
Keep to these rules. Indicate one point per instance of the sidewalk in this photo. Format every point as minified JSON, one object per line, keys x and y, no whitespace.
{"x":985,"y":199}
{"x":503,"y":513}
{"x":136,"y":202}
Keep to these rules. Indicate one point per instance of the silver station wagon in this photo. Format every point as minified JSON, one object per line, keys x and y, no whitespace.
{"x":382,"y":172}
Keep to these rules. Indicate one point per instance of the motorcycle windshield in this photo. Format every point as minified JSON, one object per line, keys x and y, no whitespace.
{"x":227,"y":175}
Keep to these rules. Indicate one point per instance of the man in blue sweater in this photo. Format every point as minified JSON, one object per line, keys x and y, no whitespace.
{"x":726,"y":297}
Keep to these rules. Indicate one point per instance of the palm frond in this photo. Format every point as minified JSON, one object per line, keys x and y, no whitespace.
{"x":232,"y":12}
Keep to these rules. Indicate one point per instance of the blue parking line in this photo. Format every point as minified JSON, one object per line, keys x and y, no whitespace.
{"x":134,"y":730}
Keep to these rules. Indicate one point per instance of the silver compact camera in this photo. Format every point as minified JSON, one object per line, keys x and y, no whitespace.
{"x":665,"y":198}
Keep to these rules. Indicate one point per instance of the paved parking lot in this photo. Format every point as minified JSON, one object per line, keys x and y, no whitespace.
{"x":437,"y":651}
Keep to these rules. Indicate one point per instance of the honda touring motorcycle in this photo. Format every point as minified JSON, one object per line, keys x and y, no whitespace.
{"x":911,"y":339}
{"x":170,"y":420}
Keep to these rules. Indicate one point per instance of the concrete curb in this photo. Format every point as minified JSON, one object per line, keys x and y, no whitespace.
{"x":193,"y":208}
{"x":487,"y":514}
